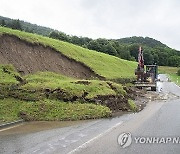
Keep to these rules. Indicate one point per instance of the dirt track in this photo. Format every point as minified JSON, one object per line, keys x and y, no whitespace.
{"x":29,"y":58}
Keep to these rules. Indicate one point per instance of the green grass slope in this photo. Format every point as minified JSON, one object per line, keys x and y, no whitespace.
{"x":14,"y":109}
{"x":26,"y":98}
{"x":51,"y":96}
{"x":105,"y":65}
{"x":7,"y":75}
{"x":70,"y":87}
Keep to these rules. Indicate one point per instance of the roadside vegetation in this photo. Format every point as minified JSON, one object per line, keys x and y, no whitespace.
{"x":178,"y":72}
{"x":132,"y":105}
{"x":49,"y":110}
{"x":172,"y":72}
{"x":51,"y":96}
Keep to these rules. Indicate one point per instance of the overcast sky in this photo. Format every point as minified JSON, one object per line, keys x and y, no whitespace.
{"x":158,"y":19}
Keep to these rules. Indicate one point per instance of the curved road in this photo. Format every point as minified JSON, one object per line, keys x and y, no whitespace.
{"x":160,"y":120}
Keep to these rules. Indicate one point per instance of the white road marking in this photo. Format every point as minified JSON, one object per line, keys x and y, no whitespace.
{"x":84,"y":145}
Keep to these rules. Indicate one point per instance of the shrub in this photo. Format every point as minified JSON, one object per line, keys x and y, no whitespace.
{"x":178,"y":72}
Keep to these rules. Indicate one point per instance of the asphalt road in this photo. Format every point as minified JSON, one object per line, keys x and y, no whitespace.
{"x":160,"y":119}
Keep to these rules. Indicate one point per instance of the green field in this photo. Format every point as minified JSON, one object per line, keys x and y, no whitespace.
{"x":105,"y":65}
{"x":172,"y":72}
{"x":167,"y":70}
{"x":175,"y":78}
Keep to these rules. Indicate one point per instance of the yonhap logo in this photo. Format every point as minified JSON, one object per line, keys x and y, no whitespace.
{"x":125,"y":140}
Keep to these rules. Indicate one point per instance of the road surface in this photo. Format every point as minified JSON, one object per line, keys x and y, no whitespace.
{"x":160,"y":120}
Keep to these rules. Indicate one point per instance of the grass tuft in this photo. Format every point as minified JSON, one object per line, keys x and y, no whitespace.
{"x":132,"y":105}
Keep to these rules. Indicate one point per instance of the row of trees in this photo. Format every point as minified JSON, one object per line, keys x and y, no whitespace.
{"x":110,"y":47}
{"x":126,"y":48}
{"x":159,"y":55}
{"x":14,"y":24}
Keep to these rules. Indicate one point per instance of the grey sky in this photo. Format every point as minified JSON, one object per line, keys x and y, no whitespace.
{"x":158,"y":19}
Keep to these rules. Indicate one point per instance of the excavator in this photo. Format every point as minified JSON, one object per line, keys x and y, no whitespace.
{"x":146,"y":77}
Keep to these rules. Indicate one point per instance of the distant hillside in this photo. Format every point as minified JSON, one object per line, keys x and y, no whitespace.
{"x":33,"y":28}
{"x":125,"y":48}
{"x":150,"y":42}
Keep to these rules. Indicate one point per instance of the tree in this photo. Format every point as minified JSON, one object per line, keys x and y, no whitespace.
{"x":94,"y":45}
{"x":60,"y":36}
{"x":134,"y":50}
{"x":28,"y":30}
{"x":174,"y":61}
{"x":126,"y":55}
{"x":15,"y":24}
{"x":156,"y":59}
{"x":148,"y":58}
{"x":54,"y":34}
{"x":163,"y":58}
{"x":2,"y":23}
{"x":110,"y":50}
{"x":75,"y":40}
{"x":64,"y":37}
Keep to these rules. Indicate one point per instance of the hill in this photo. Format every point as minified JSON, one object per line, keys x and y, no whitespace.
{"x":29,"y":27}
{"x":147,"y":41}
{"x":102,"y":64}
{"x":56,"y":80}
{"x":125,"y":48}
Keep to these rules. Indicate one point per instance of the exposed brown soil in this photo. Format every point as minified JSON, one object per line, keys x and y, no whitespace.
{"x":30,"y":58}
{"x":138,"y":95}
{"x":115,"y":103}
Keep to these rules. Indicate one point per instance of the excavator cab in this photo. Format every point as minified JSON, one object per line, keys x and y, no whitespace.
{"x":151,"y":72}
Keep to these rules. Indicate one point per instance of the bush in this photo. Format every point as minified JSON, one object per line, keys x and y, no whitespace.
{"x":178,"y":72}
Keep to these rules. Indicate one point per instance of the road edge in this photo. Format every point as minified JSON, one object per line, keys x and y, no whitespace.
{"x":10,"y":124}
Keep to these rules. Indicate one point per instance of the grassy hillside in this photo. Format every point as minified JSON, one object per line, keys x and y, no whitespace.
{"x":105,"y":65}
{"x":29,"y":99}
{"x":42,"y":85}
{"x":51,"y":96}
{"x":55,"y":86}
